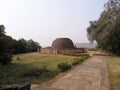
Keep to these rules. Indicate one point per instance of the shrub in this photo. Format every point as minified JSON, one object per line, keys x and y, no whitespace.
{"x":85,"y":57}
{"x":64,"y":66}
{"x":78,"y":62}
{"x":77,"y":54}
{"x":6,"y":58}
{"x":18,"y":58}
{"x":75,"y":62}
{"x":40,"y":73}
{"x":82,"y":59}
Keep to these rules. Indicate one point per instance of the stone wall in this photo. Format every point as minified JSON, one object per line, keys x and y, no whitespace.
{"x":55,"y":51}
{"x":49,"y":51}
{"x":79,"y":50}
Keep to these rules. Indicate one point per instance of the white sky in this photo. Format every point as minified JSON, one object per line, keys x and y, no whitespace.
{"x":45,"y":20}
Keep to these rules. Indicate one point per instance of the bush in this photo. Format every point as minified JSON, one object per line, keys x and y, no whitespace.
{"x":75,"y":62}
{"x":64,"y":66}
{"x":82,"y":59}
{"x":85,"y":57}
{"x":78,"y":61}
{"x":6,"y":58}
{"x":18,"y":58}
{"x":41,"y":73}
{"x":76,"y":54}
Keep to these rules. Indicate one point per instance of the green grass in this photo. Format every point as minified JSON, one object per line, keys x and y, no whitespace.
{"x":113,"y":64}
{"x":33,"y":63}
{"x":76,"y":54}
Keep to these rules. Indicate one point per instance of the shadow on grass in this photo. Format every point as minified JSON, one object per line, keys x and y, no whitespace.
{"x":20,"y":73}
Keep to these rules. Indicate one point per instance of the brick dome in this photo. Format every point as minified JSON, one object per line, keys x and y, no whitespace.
{"x":62,"y":43}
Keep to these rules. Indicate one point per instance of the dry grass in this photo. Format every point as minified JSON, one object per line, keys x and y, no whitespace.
{"x":114,"y":72}
{"x":24,"y":63}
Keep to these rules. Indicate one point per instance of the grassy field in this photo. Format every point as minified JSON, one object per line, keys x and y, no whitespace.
{"x":114,"y":72}
{"x":33,"y":68}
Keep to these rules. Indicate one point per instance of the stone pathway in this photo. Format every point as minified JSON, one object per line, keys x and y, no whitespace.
{"x":91,"y":75}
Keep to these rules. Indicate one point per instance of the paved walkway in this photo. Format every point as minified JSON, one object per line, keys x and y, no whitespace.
{"x":91,"y":75}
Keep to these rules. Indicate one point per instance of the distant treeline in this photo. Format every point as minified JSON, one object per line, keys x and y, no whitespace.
{"x":23,"y":46}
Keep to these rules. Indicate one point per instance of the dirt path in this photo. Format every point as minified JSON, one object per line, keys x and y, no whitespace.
{"x":91,"y":75}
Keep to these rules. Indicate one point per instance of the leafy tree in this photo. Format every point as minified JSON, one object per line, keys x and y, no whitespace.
{"x":21,"y":46}
{"x":112,"y":4}
{"x":2,"y":32}
{"x":32,"y":46}
{"x":24,"y":46}
{"x":5,"y":47}
{"x":106,"y":30}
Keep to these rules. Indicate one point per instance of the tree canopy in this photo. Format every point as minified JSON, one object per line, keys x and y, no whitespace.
{"x":106,"y":30}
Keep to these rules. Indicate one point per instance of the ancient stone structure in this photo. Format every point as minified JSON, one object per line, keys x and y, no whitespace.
{"x":39,"y":49}
{"x":49,"y":51}
{"x":62,"y":44}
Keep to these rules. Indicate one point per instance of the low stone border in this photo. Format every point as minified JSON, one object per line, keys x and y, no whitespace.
{"x":15,"y":87}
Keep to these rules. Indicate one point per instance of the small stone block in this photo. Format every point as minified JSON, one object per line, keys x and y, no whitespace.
{"x":6,"y":87}
{"x":24,"y":87}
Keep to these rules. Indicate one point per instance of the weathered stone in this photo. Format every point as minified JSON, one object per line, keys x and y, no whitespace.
{"x":62,"y":43}
{"x":24,"y":87}
{"x":6,"y":87}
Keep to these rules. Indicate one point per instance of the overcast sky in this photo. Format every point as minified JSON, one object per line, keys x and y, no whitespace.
{"x":45,"y":20}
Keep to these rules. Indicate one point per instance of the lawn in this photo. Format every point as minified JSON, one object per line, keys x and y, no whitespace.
{"x":33,"y":68}
{"x":114,"y":72}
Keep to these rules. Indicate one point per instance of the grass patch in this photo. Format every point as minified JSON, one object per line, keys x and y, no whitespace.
{"x":63,"y":66}
{"x":76,"y":54}
{"x":113,"y":64}
{"x":23,"y":66}
{"x":82,"y":59}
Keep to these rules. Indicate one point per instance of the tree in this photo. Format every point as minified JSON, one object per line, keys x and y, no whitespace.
{"x":106,"y":30}
{"x":21,"y":46}
{"x":5,"y":47}
{"x":24,"y":46}
{"x":112,"y":4}
{"x":32,"y":46}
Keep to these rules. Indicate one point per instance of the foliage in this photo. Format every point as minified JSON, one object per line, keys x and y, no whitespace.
{"x":6,"y":58}
{"x":76,"y":62}
{"x":5,"y":47}
{"x":112,"y":4}
{"x":42,"y":72}
{"x":85,"y":56}
{"x":106,"y":30}
{"x":21,"y":46}
{"x":24,"y":46}
{"x":76,"y":54}
{"x":82,"y":59}
{"x":64,"y":66}
{"x":32,"y":46}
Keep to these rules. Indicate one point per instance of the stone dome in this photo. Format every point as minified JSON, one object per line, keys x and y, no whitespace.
{"x":62,"y":43}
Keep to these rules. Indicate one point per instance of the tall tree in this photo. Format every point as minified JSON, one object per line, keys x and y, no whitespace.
{"x":21,"y":46}
{"x":5,"y":47}
{"x":106,"y":30}
{"x":32,"y":46}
